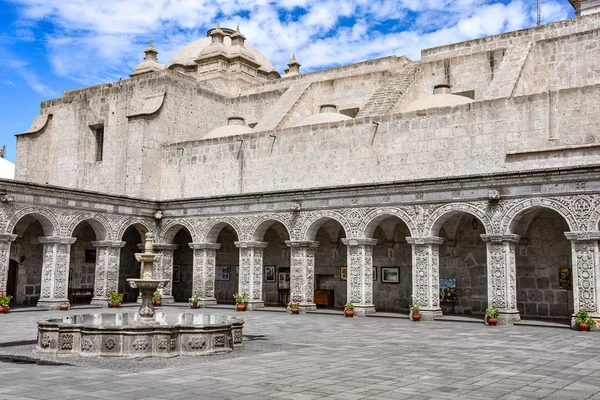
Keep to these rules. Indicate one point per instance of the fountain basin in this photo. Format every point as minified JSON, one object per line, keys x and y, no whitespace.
{"x":128,"y":335}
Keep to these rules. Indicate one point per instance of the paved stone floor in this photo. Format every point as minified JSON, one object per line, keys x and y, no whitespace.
{"x":327,"y":356}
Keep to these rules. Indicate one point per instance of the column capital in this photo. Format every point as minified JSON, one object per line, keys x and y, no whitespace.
{"x":57,"y":240}
{"x":201,"y":246}
{"x":583,"y":236}
{"x":165,"y":246}
{"x":108,"y":243}
{"x":509,"y":237}
{"x":7,"y":237}
{"x":251,"y":244}
{"x":425,"y":240}
{"x":302,"y":243}
{"x":359,"y":242}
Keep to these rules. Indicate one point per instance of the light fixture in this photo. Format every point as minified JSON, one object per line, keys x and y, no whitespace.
{"x":475,"y":223}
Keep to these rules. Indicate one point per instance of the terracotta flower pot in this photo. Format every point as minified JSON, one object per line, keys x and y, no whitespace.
{"x":295,"y":310}
{"x":114,"y":304}
{"x":64,"y":307}
{"x":492,"y":321}
{"x":193,"y":305}
{"x":240,"y":307}
{"x":584,"y":327}
{"x":157,"y":303}
{"x":349,"y":313}
{"x":3,"y":309}
{"x":416,"y":317}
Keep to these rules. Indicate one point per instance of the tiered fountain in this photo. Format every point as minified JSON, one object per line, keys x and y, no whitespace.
{"x":142,"y":334}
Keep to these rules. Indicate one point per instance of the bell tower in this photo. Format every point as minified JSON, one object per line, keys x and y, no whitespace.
{"x":585,"y":7}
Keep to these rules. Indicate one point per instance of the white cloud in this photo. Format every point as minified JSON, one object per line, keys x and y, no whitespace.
{"x":8,"y":82}
{"x":92,"y":41}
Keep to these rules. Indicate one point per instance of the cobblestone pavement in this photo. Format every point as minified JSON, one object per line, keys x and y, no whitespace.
{"x":315,"y":356}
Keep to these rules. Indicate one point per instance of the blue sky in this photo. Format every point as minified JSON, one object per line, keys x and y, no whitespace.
{"x":48,"y":46}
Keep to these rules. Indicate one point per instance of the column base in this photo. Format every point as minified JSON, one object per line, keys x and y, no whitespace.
{"x":307,"y":307}
{"x":255,"y":304}
{"x":100,"y":301}
{"x":52,"y":304}
{"x":167,"y":299}
{"x":208,"y":301}
{"x":508,"y":317}
{"x":361,"y":310}
{"x":430,"y":315}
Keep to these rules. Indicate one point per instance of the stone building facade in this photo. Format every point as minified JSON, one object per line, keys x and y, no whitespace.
{"x":368,"y":183}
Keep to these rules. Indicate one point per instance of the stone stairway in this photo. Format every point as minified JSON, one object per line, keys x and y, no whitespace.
{"x":506,"y":78}
{"x":386,"y":97}
{"x":281,"y":108}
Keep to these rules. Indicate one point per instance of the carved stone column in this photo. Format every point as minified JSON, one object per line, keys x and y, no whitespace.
{"x":251,"y":272}
{"x":426,"y":275}
{"x":360,"y":274}
{"x":5,"y":240}
{"x":502,"y":276}
{"x":203,"y":284}
{"x":106,"y":277}
{"x":302,"y":273}
{"x":164,"y":269}
{"x":586,"y":271}
{"x":55,"y":271}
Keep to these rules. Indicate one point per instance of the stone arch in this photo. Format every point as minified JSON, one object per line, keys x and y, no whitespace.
{"x":443,"y":213}
{"x":516,"y":212}
{"x":371,"y":221}
{"x":264,"y":222}
{"x":171,"y":228}
{"x":44,"y":216}
{"x":213,"y":229}
{"x":594,"y":221}
{"x":99,"y":224}
{"x":129,"y":222}
{"x":314,"y":222}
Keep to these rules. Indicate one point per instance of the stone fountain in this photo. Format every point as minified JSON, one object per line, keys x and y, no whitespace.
{"x":147,"y":285}
{"x":142,"y":334}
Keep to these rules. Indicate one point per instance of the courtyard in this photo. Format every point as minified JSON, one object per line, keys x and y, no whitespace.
{"x":320,"y":355}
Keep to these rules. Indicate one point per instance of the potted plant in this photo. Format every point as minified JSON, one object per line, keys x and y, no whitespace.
{"x":415,"y":311}
{"x":240,"y":301}
{"x":115,"y":299}
{"x":64,"y":306}
{"x":492,"y":316}
{"x":294,"y":307}
{"x":194,"y":301}
{"x":4,"y":302}
{"x":157,"y":299}
{"x":584,"y":320}
{"x":349,"y":310}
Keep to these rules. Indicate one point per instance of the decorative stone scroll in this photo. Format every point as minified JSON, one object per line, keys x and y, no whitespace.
{"x":55,"y":270}
{"x":5,"y":240}
{"x":426,"y":274}
{"x":251,"y":274}
{"x":106,"y":277}
{"x":586,"y":270}
{"x":502,"y":278}
{"x":360,"y":274}
{"x":204,"y":271}
{"x":302,"y":272}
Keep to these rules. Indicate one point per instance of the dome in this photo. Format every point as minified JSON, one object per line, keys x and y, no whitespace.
{"x":328,"y":113}
{"x":442,"y":97}
{"x":190,"y":52}
{"x":7,"y":169}
{"x":150,"y":62}
{"x":235,"y":126}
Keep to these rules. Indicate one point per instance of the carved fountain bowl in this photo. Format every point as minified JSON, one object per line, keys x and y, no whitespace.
{"x":125,"y":335}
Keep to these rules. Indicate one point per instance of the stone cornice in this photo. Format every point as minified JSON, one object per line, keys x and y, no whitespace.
{"x":201,"y":246}
{"x":507,"y":238}
{"x":302,"y":243}
{"x":57,"y":240}
{"x":108,"y":243}
{"x":359,"y":242}
{"x":423,"y":240}
{"x":252,"y":244}
{"x":591,"y":236}
{"x":7,"y":237}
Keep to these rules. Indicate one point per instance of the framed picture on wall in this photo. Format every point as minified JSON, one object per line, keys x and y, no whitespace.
{"x":374,"y":274}
{"x":447,"y":290}
{"x":222,"y":273}
{"x":270,"y":273}
{"x":284,"y":280}
{"x":176,"y":273}
{"x":390,"y":275}
{"x":344,"y":273}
